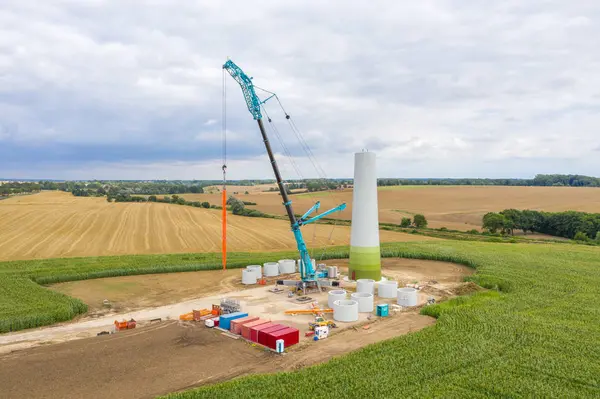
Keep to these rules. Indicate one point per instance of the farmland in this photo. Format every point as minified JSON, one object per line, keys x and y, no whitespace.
{"x":526,"y":336}
{"x":537,"y":337}
{"x":454,"y":207}
{"x":56,"y":224}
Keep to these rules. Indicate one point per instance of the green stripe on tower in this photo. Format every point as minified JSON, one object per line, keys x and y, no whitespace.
{"x":365,"y":262}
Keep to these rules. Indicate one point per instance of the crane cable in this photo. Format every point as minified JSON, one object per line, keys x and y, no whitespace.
{"x":310,"y":155}
{"x":287,"y":153}
{"x":224,"y":167}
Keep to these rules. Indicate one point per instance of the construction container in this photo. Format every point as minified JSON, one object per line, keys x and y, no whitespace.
{"x":387,"y":289}
{"x":236,"y":325}
{"x":216,"y":320}
{"x":264,"y":334}
{"x":365,"y":301}
{"x":247,"y":326}
{"x":287,"y":266}
{"x":383,"y":310}
{"x":249,"y":276}
{"x":225,"y":320}
{"x":257,"y":270}
{"x":254,"y":331}
{"x":335,"y":295}
{"x":271,"y":269}
{"x":345,"y":310}
{"x":365,"y":285}
{"x":290,"y":336}
{"x":407,"y":297}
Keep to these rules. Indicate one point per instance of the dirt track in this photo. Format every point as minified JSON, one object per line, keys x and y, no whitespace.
{"x":164,"y":358}
{"x":57,"y":224}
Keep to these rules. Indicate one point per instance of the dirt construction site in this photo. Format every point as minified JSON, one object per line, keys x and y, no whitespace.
{"x":164,"y":353}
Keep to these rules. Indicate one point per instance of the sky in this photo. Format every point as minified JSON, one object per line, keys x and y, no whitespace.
{"x":128,"y":89}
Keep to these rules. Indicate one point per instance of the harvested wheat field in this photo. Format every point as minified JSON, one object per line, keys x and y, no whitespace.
{"x":454,"y":207}
{"x":57,"y":224}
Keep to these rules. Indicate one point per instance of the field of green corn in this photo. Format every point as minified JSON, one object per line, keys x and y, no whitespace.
{"x":536,"y":335}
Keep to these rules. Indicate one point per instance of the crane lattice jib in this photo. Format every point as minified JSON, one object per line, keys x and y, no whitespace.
{"x":252,"y":101}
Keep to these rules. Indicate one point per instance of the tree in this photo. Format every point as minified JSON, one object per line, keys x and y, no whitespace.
{"x":493,"y":222}
{"x":406,"y":222}
{"x":152,"y":198}
{"x":205,"y":205}
{"x":419,"y":221}
{"x":598,"y":237}
{"x":581,"y":236}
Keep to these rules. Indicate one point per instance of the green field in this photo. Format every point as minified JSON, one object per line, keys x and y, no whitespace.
{"x":537,"y":335}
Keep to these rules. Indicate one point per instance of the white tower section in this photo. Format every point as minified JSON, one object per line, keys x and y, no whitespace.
{"x":365,"y":261}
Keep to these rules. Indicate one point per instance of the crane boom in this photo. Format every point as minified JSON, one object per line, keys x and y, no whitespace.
{"x":253,"y":102}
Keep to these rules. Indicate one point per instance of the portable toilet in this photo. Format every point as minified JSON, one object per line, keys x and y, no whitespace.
{"x":383,"y":310}
{"x":279,"y":346}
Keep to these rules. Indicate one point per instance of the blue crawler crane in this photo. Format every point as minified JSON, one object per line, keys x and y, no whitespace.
{"x":308,"y":275}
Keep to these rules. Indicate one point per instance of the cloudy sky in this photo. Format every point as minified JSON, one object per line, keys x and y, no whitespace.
{"x":133,"y":89}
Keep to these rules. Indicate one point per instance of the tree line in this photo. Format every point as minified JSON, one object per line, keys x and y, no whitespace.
{"x":580,"y":226}
{"x":12,"y":188}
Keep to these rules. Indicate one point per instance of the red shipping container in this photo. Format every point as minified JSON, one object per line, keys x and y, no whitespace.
{"x":254,"y":330}
{"x":216,"y":319}
{"x":247,"y":326}
{"x":236,"y":325}
{"x":263,"y":334}
{"x":290,"y":336}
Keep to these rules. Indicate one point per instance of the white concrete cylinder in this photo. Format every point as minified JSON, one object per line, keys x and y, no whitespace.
{"x":407,"y":297}
{"x":365,"y":301}
{"x":365,"y":285}
{"x":345,"y":310}
{"x":332,"y":271}
{"x":335,"y":295}
{"x":387,"y":289}
{"x":314,"y":264}
{"x":248,"y":276}
{"x":287,"y":266}
{"x":257,"y":270}
{"x":271,"y":269}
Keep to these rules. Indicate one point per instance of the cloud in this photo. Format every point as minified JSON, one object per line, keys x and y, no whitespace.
{"x":435,"y":88}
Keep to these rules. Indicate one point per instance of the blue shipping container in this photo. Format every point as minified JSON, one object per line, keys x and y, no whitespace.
{"x":225,"y":319}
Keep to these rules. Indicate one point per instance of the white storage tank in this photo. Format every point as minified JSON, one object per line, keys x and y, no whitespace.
{"x":345,"y":310}
{"x":335,"y":295}
{"x":364,"y":300}
{"x":407,"y":297}
{"x":387,"y":289}
{"x":271,"y":269}
{"x":332,"y":272}
{"x":287,"y":266}
{"x":257,"y":270}
{"x":248,"y":276}
{"x":365,"y":285}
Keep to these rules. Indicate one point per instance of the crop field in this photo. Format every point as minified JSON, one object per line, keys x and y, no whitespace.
{"x":454,"y":207}
{"x":534,"y":334}
{"x":57,"y":224}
